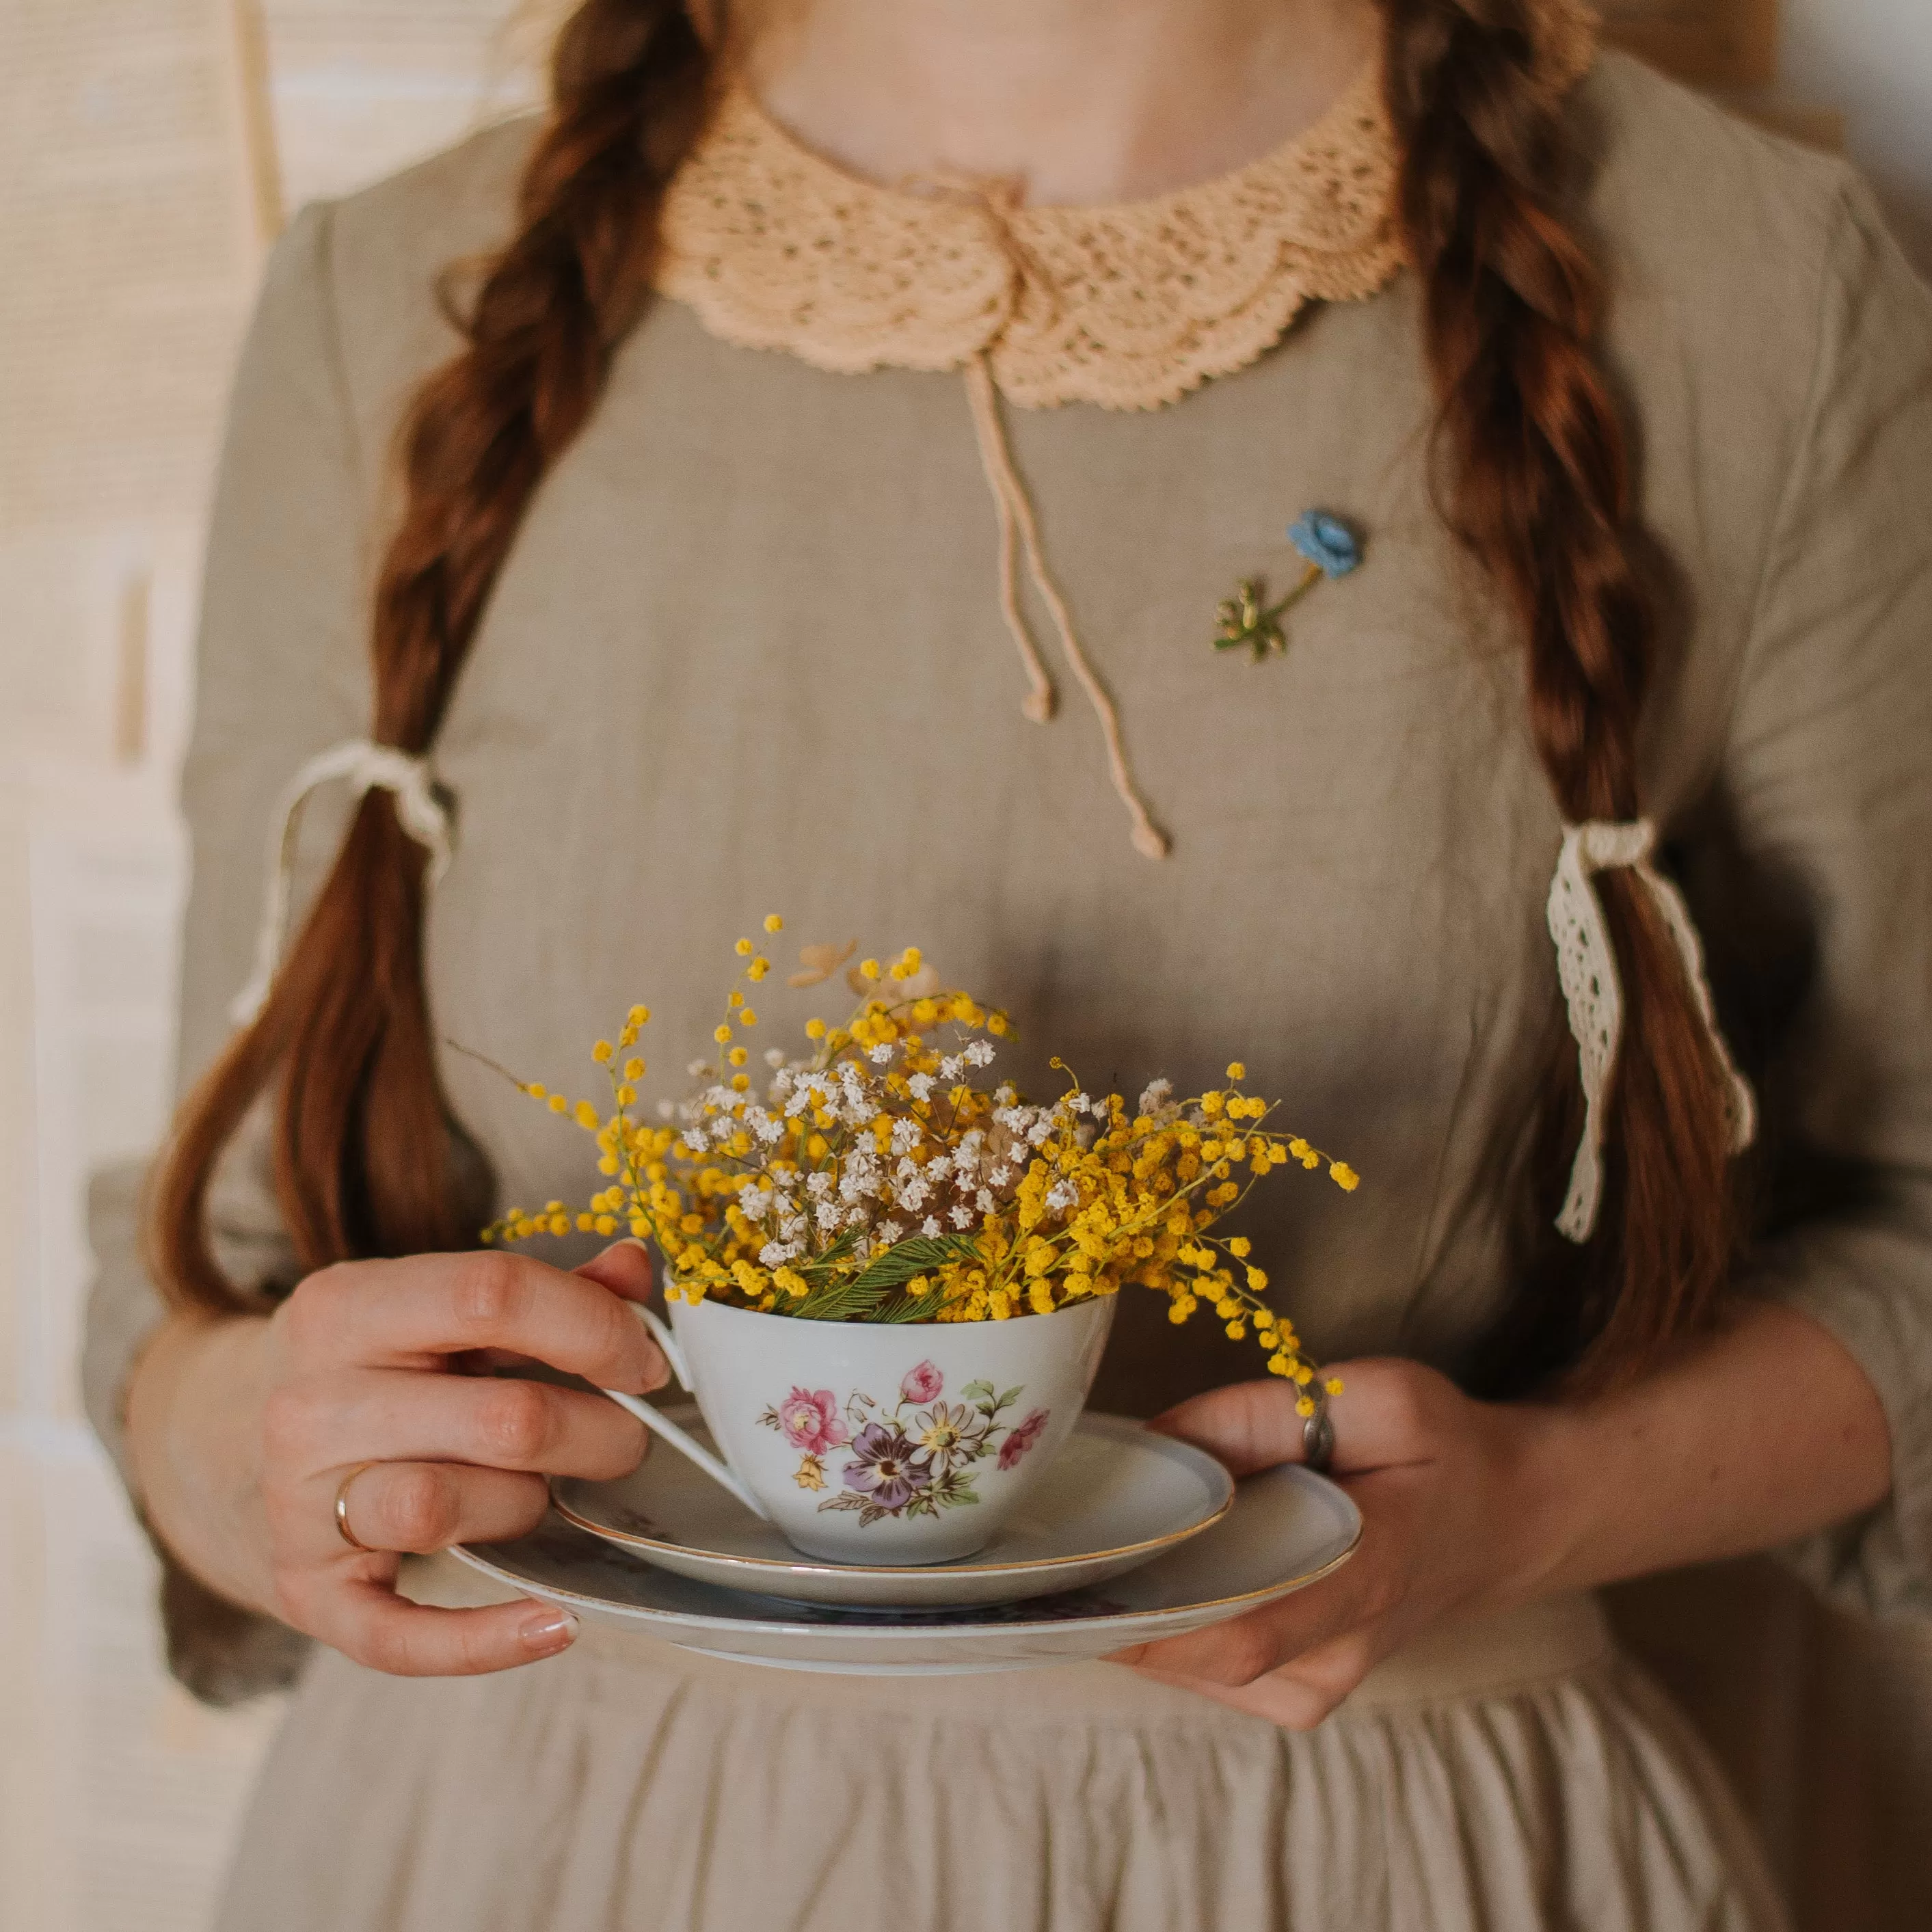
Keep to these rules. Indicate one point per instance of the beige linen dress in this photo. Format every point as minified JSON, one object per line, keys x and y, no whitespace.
{"x":749,"y":654}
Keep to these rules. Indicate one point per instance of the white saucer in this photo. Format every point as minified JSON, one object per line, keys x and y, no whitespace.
{"x":1287,"y":1528}
{"x":1115,"y":1496}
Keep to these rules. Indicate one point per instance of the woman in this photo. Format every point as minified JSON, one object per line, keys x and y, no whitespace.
{"x":701,"y":589}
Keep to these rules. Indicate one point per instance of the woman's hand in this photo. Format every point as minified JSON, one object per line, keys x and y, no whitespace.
{"x":244,"y":1433}
{"x":1760,"y":1432}
{"x":1454,"y":1518}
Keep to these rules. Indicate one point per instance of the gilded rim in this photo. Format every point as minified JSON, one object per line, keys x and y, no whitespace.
{"x":1045,"y":1566}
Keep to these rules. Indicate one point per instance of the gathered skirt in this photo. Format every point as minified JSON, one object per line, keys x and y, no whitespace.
{"x":1514,"y":1777}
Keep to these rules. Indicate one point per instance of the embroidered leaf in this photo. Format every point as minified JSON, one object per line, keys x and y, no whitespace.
{"x":1248,"y":620}
{"x":1244,"y":620}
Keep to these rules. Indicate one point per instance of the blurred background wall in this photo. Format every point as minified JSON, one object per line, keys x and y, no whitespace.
{"x":1872,"y":60}
{"x":148,"y":148}
{"x":149,"y":152}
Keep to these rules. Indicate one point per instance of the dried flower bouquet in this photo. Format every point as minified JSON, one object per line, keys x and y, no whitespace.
{"x":877,"y":1179}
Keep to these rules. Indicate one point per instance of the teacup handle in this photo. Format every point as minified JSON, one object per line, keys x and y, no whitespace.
{"x":679,"y":1439}
{"x":661,"y":1334}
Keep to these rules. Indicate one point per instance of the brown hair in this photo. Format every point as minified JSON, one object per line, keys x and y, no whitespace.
{"x":365,"y":1149}
{"x":1535,"y":480}
{"x":1535,"y":470}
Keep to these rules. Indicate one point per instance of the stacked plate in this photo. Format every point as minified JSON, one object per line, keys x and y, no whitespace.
{"x":1130,"y":1536}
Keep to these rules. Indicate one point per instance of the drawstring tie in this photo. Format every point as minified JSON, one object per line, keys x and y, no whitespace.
{"x":1017,"y":521}
{"x":1593,"y":992}
{"x":368,"y":767}
{"x":1019,"y":529}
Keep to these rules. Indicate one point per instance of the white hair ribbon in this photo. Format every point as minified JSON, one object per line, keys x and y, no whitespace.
{"x":1592,"y":990}
{"x":367,"y":767}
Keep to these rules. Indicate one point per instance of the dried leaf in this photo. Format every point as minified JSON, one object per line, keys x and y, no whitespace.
{"x":821,"y":962}
{"x":894,"y":993}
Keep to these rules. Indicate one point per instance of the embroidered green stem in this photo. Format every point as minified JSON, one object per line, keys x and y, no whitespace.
{"x":1246,"y":619}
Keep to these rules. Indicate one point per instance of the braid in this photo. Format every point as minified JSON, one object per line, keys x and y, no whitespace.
{"x":1534,"y":459}
{"x":363,"y":1151}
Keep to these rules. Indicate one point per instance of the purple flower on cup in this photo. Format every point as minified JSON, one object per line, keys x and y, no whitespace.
{"x":1020,"y":1438}
{"x":885,"y":1468}
{"x":922,"y":1383}
{"x":915,"y":1457}
{"x":810,"y":1420}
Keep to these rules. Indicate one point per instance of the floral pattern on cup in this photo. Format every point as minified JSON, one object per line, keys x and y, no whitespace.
{"x":810,"y":1420}
{"x":915,"y":1457}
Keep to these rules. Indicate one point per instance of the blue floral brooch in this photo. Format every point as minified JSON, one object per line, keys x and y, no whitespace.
{"x":1328,"y":548}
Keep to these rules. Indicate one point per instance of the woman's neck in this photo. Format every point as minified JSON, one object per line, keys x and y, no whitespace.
{"x":1074,"y":100}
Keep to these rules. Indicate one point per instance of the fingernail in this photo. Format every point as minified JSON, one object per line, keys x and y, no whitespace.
{"x":549,"y":1631}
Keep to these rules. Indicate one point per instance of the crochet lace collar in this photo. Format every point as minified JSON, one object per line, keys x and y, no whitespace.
{"x":1129,"y":306}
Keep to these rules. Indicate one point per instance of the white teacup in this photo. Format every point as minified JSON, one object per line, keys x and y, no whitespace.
{"x":881,"y":1443}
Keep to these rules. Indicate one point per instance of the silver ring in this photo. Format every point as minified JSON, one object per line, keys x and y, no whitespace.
{"x":1318,"y":1438}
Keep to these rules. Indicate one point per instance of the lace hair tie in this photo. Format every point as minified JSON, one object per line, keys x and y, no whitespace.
{"x":368,"y":767}
{"x":1587,"y":963}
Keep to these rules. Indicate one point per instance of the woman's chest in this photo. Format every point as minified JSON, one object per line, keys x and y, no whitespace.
{"x":750,"y":657}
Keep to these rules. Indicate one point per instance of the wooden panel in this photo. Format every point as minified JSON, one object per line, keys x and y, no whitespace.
{"x":254,"y":89}
{"x":1727,"y":43}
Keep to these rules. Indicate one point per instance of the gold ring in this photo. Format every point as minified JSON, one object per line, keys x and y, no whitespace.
{"x":347,"y":1534}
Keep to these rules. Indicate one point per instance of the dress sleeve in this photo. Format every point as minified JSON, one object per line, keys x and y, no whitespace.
{"x":280,"y":674}
{"x":1828,"y":775}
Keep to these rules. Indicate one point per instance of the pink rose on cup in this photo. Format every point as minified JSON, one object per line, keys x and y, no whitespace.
{"x":922,"y":1383}
{"x":810,"y":1421}
{"x":1020,"y":1438}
